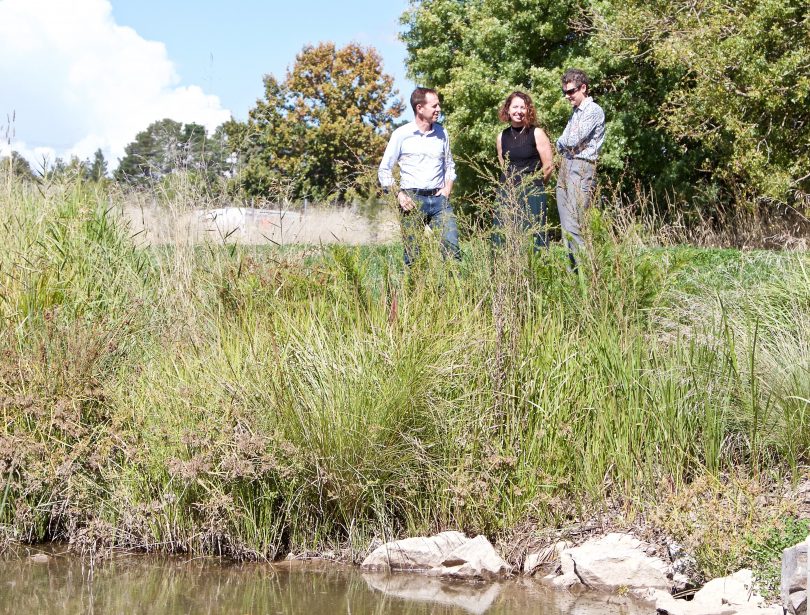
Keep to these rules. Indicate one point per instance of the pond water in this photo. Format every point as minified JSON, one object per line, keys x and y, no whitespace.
{"x":34,"y":580}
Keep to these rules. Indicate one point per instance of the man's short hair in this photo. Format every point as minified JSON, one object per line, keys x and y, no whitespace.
{"x":419,"y":96}
{"x":577,"y":77}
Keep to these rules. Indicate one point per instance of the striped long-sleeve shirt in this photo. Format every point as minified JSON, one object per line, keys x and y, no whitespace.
{"x":585,"y":132}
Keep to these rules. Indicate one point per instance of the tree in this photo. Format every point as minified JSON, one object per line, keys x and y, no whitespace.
{"x":17,"y":166}
{"x":328,"y":119}
{"x":702,"y":97}
{"x":475,"y":52}
{"x":168,"y":146}
{"x":737,"y":95}
{"x":97,"y":170}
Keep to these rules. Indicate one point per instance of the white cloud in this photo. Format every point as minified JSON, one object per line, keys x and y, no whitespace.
{"x":76,"y":81}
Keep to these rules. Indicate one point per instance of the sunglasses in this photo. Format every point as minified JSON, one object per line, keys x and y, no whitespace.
{"x":570,"y":91}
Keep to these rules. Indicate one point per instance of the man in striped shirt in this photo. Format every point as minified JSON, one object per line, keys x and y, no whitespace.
{"x":579,"y":146}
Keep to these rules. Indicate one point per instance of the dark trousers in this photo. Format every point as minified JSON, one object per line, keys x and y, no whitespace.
{"x":435,"y":212}
{"x":526,"y":209}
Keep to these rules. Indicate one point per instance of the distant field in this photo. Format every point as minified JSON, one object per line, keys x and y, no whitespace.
{"x":317,"y":225}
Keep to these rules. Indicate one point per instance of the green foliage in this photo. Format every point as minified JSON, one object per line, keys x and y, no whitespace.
{"x":250,"y":400}
{"x":322,"y":127}
{"x":766,"y":550}
{"x":476,"y":52}
{"x":98,"y":168}
{"x":705,"y":102}
{"x":734,"y":78}
{"x":166,"y":147}
{"x":17,"y":167}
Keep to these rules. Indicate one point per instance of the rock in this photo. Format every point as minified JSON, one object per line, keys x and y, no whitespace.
{"x":797,"y":603}
{"x":473,"y":599}
{"x":564,"y":581}
{"x":547,"y":557}
{"x":615,"y":561}
{"x":475,"y":559}
{"x":732,"y":595}
{"x":40,"y":558}
{"x":794,"y":578}
{"x":732,"y":591}
{"x":414,"y":553}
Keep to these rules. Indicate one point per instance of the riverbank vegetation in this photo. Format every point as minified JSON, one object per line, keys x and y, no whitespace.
{"x":256,"y":400}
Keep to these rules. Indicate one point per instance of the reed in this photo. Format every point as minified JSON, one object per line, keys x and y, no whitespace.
{"x":249,"y":400}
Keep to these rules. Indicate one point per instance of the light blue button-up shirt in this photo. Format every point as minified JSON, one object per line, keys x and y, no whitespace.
{"x":424,"y":158}
{"x":585,"y":132}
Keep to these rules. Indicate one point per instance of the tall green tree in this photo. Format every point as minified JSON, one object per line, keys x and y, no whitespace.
{"x":168,"y":146}
{"x":98,"y":167}
{"x":704,"y":100}
{"x":737,"y":97}
{"x":17,"y":166}
{"x":328,"y":120}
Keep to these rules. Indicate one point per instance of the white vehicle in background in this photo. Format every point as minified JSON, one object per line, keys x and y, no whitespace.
{"x":234,"y":223}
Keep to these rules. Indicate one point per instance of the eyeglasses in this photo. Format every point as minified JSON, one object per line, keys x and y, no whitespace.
{"x":570,"y":91}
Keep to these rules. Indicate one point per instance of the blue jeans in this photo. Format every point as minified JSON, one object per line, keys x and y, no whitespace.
{"x":531,"y":214}
{"x":435,"y":212}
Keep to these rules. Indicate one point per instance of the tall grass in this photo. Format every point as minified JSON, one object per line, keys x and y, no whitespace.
{"x":252,"y":400}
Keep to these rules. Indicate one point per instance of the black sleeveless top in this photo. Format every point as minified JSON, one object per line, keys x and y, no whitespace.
{"x":520,"y":154}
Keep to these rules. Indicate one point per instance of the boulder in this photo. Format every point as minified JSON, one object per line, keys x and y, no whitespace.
{"x":613,"y":562}
{"x":414,"y":553}
{"x":794,"y":579}
{"x":797,"y":603}
{"x":547,"y":557}
{"x":732,"y":595}
{"x":475,"y":559}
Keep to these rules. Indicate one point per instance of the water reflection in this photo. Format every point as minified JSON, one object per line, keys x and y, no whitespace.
{"x":65,"y":584}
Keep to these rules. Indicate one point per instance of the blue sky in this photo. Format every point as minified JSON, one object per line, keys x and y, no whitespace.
{"x":226,"y":46}
{"x":85,"y":74}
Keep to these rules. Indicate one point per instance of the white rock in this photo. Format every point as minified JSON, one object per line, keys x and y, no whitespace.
{"x":547,"y":556}
{"x":564,"y":581}
{"x":475,"y":559}
{"x":414,"y":553}
{"x":735,"y":591}
{"x":794,"y":578}
{"x":615,"y":561}
{"x":797,"y":603}
{"x":730,"y":595}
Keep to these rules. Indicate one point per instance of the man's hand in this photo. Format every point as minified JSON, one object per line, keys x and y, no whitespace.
{"x":445,"y":192}
{"x":405,"y":201}
{"x":446,"y":189}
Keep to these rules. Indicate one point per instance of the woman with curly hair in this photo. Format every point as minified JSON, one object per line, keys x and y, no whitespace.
{"x":525,"y":154}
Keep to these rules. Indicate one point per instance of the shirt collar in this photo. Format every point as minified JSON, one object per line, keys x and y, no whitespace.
{"x":416,"y":130}
{"x":588,"y":100}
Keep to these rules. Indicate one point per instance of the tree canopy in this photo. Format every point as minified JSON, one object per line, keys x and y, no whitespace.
{"x":704,"y":99}
{"x":167,"y":146}
{"x":316,"y":130}
{"x":17,"y":166}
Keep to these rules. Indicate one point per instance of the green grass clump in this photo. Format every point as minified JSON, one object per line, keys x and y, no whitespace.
{"x":253,"y":400}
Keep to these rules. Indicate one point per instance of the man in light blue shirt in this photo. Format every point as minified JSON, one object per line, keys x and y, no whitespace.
{"x":579,"y":145}
{"x":421,"y":148}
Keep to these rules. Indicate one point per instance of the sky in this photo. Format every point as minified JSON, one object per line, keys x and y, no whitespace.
{"x":78,"y":75}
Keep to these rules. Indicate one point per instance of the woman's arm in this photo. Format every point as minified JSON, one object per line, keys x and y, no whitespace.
{"x":499,"y":148}
{"x":544,"y":149}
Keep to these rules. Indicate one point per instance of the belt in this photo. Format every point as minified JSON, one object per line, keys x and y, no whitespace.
{"x":422,"y":191}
